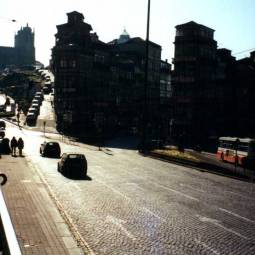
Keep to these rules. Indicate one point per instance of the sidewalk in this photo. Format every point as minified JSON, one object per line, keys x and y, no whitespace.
{"x":39,"y":226}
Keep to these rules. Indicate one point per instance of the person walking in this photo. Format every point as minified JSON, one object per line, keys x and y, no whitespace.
{"x":20,"y":146}
{"x":14,"y":145}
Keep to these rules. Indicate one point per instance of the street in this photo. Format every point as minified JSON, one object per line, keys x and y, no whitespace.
{"x":132,"y":204}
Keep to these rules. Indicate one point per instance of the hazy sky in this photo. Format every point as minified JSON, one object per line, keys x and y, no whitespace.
{"x":232,"y":20}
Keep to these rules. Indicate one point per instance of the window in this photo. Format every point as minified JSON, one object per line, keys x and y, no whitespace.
{"x":63,"y":63}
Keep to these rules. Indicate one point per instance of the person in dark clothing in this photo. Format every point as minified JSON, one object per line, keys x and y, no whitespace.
{"x":14,"y":145}
{"x":20,"y":146}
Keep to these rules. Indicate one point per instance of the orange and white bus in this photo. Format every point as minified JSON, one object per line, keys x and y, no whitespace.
{"x":240,"y":151}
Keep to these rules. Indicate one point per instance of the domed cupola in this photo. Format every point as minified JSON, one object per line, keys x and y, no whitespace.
{"x":124,"y":37}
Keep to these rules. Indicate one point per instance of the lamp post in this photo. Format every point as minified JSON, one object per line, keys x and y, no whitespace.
{"x":145,"y":103}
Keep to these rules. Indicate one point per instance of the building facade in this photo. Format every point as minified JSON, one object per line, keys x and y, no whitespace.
{"x":99,"y":87}
{"x":212,"y":91}
{"x":23,"y":52}
{"x":193,"y":82}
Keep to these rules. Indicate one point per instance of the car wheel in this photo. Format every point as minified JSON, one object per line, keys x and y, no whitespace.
{"x":40,"y":151}
{"x":58,"y":168}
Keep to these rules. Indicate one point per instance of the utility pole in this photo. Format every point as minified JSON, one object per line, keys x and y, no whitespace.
{"x":145,"y":103}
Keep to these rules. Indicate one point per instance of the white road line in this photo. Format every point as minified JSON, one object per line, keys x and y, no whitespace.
{"x":114,"y":190}
{"x":236,"y":215}
{"x":118,"y":223}
{"x":231,"y":231}
{"x":152,"y":213}
{"x":217,"y":223}
{"x":134,"y":184}
{"x":190,"y":187}
{"x":177,"y":192}
{"x":76,"y":186}
{"x":207,"y":247}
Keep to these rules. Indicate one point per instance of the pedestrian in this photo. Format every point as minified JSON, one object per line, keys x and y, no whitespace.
{"x":20,"y":146}
{"x":14,"y":145}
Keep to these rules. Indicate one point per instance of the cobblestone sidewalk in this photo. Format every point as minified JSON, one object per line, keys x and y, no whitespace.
{"x":39,"y":227}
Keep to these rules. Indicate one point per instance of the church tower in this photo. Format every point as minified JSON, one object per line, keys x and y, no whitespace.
{"x":24,"y":46}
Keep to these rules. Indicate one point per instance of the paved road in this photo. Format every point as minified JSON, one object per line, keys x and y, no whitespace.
{"x":138,"y":205}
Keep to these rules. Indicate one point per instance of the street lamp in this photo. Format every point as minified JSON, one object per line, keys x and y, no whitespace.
{"x":144,"y":123}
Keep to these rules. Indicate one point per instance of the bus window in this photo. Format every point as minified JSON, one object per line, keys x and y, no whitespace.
{"x":243,"y":147}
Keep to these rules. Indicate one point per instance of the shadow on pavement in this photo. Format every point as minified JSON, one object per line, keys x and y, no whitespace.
{"x":80,"y":178}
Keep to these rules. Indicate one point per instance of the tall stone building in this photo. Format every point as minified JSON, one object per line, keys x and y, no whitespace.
{"x":24,"y":47}
{"x":213,"y":93}
{"x":99,"y":87}
{"x":193,"y":82}
{"x":23,"y":52}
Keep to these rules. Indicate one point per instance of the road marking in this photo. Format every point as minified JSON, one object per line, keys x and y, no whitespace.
{"x":152,"y":213}
{"x":190,"y":187}
{"x":177,"y":192}
{"x":114,"y":190}
{"x":25,"y":181}
{"x":236,"y":215}
{"x":217,"y":223}
{"x":135,"y":184}
{"x":118,"y":223}
{"x":76,"y":186}
{"x":207,"y":247}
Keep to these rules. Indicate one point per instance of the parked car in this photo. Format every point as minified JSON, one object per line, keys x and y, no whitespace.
{"x":31,"y":118}
{"x":2,"y":124}
{"x":5,"y":146}
{"x":35,"y":105}
{"x":39,"y":94}
{"x":38,"y":97}
{"x":34,"y":110}
{"x":36,"y":101}
{"x":2,"y":132}
{"x":73,"y":164}
{"x":50,"y":149}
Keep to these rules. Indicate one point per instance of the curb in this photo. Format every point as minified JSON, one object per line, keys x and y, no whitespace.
{"x":201,"y":166}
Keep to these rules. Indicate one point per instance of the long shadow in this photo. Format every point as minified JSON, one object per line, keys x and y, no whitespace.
{"x":80,"y":178}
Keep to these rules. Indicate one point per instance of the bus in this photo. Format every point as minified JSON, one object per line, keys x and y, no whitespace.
{"x":240,"y":151}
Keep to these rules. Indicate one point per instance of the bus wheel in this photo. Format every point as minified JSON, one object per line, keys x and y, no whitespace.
{"x":222,"y":156}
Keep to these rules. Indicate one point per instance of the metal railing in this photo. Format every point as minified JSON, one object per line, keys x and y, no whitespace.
{"x":8,"y":240}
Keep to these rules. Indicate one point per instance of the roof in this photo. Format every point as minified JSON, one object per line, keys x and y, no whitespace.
{"x":233,"y":139}
{"x":193,"y":24}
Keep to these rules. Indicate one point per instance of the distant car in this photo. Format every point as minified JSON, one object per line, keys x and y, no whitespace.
{"x":31,"y":118}
{"x":2,"y":132}
{"x":2,"y":124}
{"x":35,"y":105}
{"x":39,"y":94}
{"x":50,"y":149}
{"x":36,"y":101}
{"x":73,"y":164}
{"x":5,"y":146}
{"x":34,"y":110}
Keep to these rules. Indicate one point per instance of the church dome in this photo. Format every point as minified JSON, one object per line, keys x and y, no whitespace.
{"x":124,"y":37}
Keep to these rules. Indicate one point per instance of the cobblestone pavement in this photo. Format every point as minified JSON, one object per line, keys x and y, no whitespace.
{"x":137,"y":205}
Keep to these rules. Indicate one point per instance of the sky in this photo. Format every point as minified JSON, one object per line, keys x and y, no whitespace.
{"x":232,"y":20}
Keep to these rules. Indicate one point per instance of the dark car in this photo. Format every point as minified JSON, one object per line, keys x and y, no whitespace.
{"x":5,"y":146}
{"x":2,"y":132}
{"x":50,"y":149}
{"x":73,"y":164}
{"x":2,"y":124}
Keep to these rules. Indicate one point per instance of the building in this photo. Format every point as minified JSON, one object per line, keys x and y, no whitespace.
{"x":23,"y":52}
{"x":245,"y":94}
{"x":193,"y":82}
{"x":212,"y":91}
{"x":99,"y":87}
